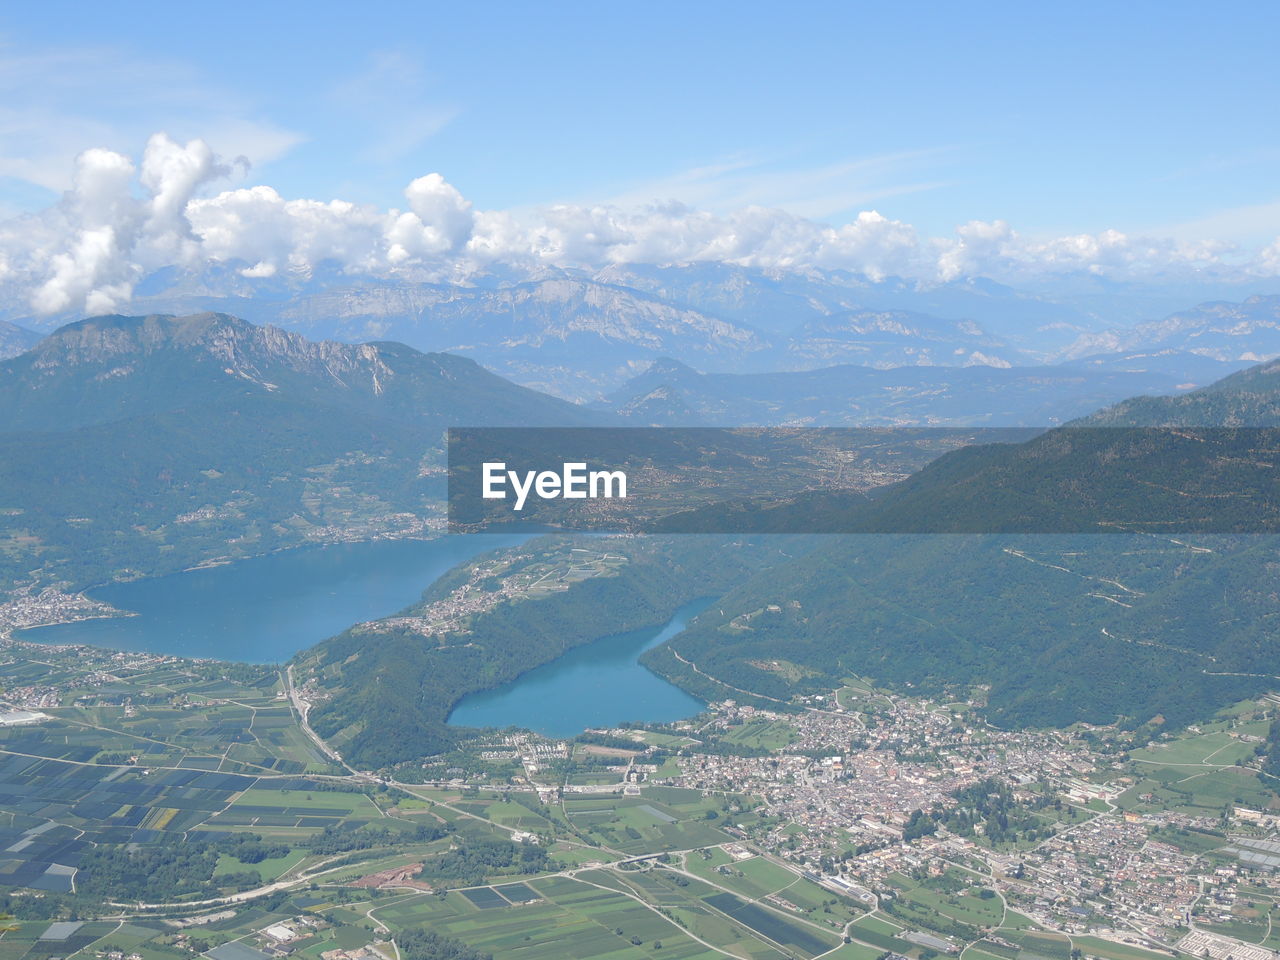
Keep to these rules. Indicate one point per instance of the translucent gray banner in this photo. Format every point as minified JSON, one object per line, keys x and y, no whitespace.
{"x":866,"y":480}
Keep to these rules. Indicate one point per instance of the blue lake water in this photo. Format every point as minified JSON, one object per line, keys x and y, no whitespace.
{"x":598,"y":684}
{"x":266,"y":609}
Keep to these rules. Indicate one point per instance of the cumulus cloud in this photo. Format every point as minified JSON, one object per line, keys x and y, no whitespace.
{"x":94,"y":268}
{"x":89,"y":250}
{"x":257,"y":225}
{"x":122,"y":220}
{"x":171,"y":174}
{"x":439,"y":221}
{"x":1267,"y":263}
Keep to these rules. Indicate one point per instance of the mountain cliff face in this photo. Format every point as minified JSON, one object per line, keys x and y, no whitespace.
{"x":781,"y":301}
{"x":894,"y":338}
{"x":15,"y":339}
{"x":572,"y":336}
{"x":580,"y":337}
{"x":139,"y":445}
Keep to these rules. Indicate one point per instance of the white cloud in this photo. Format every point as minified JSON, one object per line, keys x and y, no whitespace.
{"x":996,"y":249}
{"x":257,"y":225}
{"x":88,"y":251}
{"x":440,"y":221}
{"x":171,"y":173}
{"x":87,"y":274}
{"x":1267,"y":263}
{"x":99,"y":214}
{"x":121,"y":220}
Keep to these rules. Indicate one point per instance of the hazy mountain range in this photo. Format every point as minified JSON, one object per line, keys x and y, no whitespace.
{"x":132,"y":445}
{"x":582,"y":335}
{"x":1225,"y":331}
{"x":671,"y":393}
{"x":15,"y":339}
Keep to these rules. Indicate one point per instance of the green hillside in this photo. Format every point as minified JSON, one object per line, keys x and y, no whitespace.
{"x":1250,"y":398}
{"x":386,"y":689}
{"x":1044,"y":629}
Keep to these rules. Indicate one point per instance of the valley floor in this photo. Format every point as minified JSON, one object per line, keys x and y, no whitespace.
{"x":852,"y":825}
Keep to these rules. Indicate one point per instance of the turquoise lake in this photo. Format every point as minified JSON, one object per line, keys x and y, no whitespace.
{"x":599,"y":684}
{"x":266,"y":609}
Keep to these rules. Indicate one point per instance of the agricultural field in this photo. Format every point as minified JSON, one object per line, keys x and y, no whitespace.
{"x":1194,"y":790}
{"x":199,"y":768}
{"x":953,"y":908}
{"x":1202,"y":770}
{"x":659,"y":738}
{"x":1218,"y":748}
{"x":159,"y":712}
{"x":759,"y":879}
{"x":951,"y":899}
{"x":59,"y":808}
{"x":1110,"y":950}
{"x":301,"y":803}
{"x":660,"y":819}
{"x":615,"y":914}
{"x":767,"y":734}
{"x":568,"y":919}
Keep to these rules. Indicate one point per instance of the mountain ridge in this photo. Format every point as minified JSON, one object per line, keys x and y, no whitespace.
{"x":582,"y":333}
{"x":107,"y":365}
{"x":1247,"y":330}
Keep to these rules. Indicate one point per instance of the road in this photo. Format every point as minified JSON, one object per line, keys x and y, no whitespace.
{"x":302,"y":707}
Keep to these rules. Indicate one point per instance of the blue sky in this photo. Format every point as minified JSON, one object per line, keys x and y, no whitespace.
{"x":1058,"y":118}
